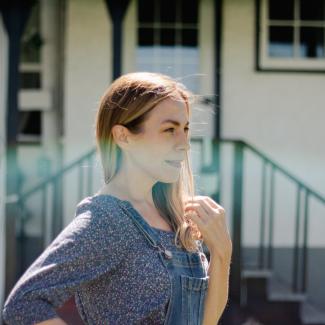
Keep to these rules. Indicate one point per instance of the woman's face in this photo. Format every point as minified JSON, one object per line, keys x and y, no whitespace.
{"x":160,"y":150}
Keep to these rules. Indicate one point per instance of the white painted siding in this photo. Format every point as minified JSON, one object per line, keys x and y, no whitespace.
{"x":280,"y":113}
{"x":3,"y":96}
{"x":88,"y":55}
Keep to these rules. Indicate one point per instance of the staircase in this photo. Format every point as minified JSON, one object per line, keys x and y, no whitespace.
{"x":273,"y":303}
{"x":259,"y":293}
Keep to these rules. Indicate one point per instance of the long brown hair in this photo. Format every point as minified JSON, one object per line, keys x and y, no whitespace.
{"x":127,"y":102}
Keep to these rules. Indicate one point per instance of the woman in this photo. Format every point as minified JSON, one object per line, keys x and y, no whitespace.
{"x":133,"y":254}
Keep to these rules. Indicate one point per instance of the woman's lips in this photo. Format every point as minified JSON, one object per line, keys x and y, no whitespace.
{"x":174,"y":163}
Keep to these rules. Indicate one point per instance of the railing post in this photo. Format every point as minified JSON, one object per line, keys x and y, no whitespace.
{"x":263,"y":213}
{"x":295,"y":267}
{"x":216,"y":144}
{"x":305,"y":244}
{"x":57,"y":217}
{"x":235,"y":273}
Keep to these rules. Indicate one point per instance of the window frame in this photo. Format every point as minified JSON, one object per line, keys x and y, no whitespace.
{"x":35,"y":99}
{"x":177,"y":27}
{"x":265,"y":63}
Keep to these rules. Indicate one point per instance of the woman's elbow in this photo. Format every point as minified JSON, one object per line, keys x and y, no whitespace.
{"x":54,"y":321}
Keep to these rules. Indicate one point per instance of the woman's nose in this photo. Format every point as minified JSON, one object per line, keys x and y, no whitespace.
{"x":184,"y":144}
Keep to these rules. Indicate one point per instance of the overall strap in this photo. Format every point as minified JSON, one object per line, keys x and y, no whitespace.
{"x":142,"y":225}
{"x":145,"y":228}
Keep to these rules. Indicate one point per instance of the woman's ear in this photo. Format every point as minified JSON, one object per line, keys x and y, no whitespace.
{"x":120,"y":135}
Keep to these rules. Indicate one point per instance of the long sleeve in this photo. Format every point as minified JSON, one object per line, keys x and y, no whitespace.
{"x":87,"y":248}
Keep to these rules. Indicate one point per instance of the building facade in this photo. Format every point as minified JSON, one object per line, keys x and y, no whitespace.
{"x":259,"y":64}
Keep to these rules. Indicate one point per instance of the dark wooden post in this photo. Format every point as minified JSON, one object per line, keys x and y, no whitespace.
{"x":15,"y":15}
{"x":117,"y":11}
{"x":217,"y":68}
{"x":235,"y":274}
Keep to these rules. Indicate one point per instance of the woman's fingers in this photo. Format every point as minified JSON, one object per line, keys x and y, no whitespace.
{"x":203,"y":202}
{"x":202,"y":213}
{"x":211,"y":202}
{"x":195,"y":217}
{"x":210,"y":216}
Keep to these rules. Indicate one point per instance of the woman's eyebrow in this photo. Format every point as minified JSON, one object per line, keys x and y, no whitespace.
{"x":174,"y":122}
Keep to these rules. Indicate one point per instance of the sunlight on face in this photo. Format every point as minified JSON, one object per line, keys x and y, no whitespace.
{"x":165,"y":138}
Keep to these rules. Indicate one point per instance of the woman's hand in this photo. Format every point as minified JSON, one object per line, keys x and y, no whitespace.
{"x":211,"y":221}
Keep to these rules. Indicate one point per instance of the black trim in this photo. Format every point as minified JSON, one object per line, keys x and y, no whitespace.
{"x":257,"y":34}
{"x":217,"y":82}
{"x":258,"y":67}
{"x":218,"y":5}
{"x":117,"y":10}
{"x":15,"y":15}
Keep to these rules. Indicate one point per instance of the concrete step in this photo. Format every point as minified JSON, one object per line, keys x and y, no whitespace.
{"x":279,"y":291}
{"x":271,"y":302}
{"x":254,"y":286}
{"x":274,"y":302}
{"x":311,"y":314}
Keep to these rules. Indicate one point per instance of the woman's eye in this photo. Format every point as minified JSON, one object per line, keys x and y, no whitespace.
{"x":173,"y":129}
{"x":170,"y":129}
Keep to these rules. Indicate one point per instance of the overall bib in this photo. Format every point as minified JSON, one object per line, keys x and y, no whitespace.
{"x":188,"y":276}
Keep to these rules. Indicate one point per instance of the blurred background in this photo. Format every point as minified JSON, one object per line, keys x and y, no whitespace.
{"x":257,"y":138}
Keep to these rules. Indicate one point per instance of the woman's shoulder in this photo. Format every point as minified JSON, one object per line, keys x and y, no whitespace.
{"x":99,"y":222}
{"x":102,"y":209}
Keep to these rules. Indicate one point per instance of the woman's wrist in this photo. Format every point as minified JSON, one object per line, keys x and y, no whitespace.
{"x":222,"y":259}
{"x":54,"y":321}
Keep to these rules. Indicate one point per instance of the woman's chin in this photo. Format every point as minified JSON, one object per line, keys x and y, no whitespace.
{"x":170,"y":178}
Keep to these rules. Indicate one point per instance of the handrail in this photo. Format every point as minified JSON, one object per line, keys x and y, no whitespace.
{"x":286,"y":172}
{"x":259,"y":153}
{"x":224,"y":140}
{"x":238,"y":172}
{"x":51,"y":178}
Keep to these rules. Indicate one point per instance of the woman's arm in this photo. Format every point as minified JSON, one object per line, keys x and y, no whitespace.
{"x":54,"y":321}
{"x":91,"y":245}
{"x":217,"y":294}
{"x":211,"y":221}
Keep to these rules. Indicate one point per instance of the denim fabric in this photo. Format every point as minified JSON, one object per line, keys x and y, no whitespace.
{"x":110,"y":259}
{"x":187,"y":272}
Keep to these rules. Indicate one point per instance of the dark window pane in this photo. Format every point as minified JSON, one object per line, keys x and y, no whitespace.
{"x":189,"y":37}
{"x":30,"y":80}
{"x":31,"y":48}
{"x":29,"y":123}
{"x":146,"y":11}
{"x":312,"y":42}
{"x":145,"y":36}
{"x":189,"y":11}
{"x":281,"y":41}
{"x":31,"y":40}
{"x":168,"y":11}
{"x":312,"y":9}
{"x":281,"y":9}
{"x":167,"y":36}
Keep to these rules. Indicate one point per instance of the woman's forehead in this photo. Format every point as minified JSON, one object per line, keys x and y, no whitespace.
{"x":170,"y":109}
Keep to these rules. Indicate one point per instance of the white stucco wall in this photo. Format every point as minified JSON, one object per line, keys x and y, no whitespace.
{"x":280,"y":113}
{"x":88,"y":64}
{"x":3,"y":93}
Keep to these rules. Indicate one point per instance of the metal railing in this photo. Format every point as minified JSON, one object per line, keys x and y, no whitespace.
{"x":50,"y":194}
{"x":303,"y":215}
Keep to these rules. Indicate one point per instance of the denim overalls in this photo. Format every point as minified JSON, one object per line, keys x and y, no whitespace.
{"x":188,"y":276}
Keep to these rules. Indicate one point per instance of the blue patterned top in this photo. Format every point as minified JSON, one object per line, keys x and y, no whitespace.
{"x":102,"y":259}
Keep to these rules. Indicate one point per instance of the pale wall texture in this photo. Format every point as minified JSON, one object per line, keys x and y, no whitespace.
{"x":3,"y":92}
{"x":88,"y":63}
{"x":280,"y":113}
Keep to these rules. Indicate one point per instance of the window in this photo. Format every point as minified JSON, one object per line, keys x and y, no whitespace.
{"x":31,"y":93}
{"x":168,"y":39}
{"x":291,"y":34}
{"x":30,"y":54}
{"x":29,"y":126}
